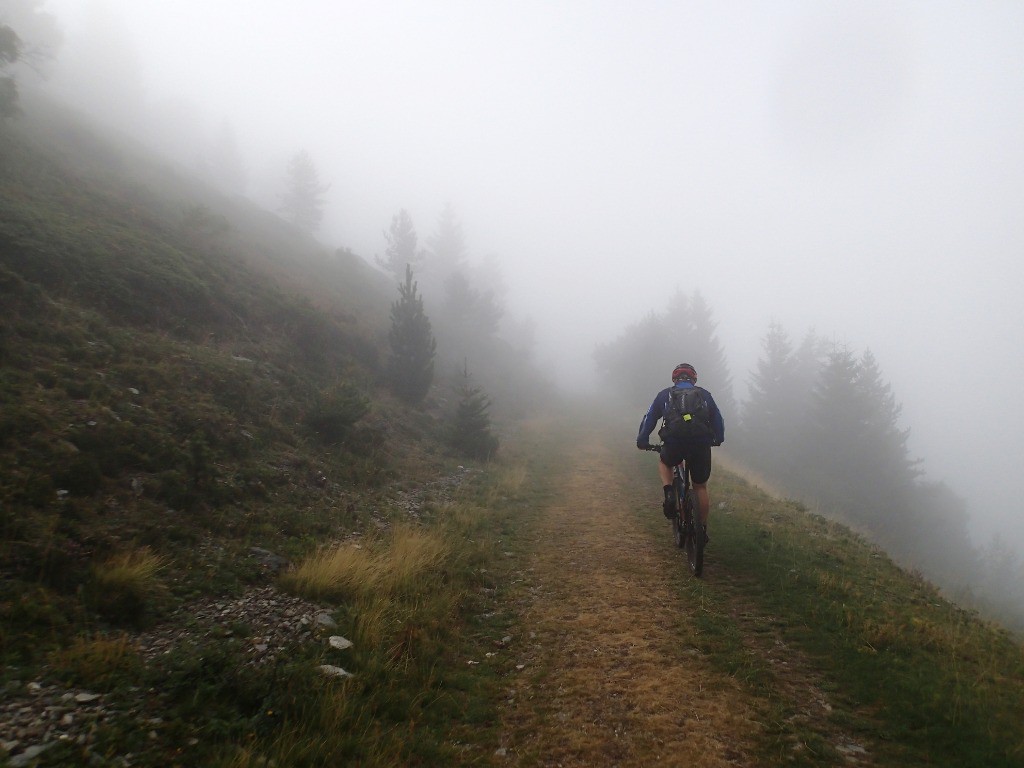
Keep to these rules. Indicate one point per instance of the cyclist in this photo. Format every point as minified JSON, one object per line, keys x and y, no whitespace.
{"x":696,"y":450}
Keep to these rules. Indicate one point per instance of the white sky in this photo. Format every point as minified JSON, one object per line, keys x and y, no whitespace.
{"x":854,"y":167}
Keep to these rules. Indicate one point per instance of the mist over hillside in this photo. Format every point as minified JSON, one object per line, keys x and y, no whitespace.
{"x":286,"y":481}
{"x":845,"y":171}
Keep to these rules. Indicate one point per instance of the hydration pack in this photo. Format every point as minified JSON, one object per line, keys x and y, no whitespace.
{"x":687,"y":416}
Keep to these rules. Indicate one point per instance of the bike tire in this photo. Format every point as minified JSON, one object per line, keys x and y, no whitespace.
{"x":693,"y":535}
{"x":678,"y":529}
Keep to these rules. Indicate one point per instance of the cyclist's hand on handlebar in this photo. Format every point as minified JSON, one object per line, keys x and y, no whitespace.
{"x":643,"y":445}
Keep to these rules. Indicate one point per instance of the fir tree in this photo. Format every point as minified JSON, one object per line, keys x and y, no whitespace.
{"x":411,"y":367}
{"x":643,"y":356}
{"x":10,"y":52}
{"x":403,"y":249}
{"x":774,"y":409}
{"x":471,"y":430}
{"x":303,"y":203}
{"x":702,"y":348}
{"x":830,"y":447}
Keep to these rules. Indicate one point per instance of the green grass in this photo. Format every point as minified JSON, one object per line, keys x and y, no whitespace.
{"x":418,"y":604}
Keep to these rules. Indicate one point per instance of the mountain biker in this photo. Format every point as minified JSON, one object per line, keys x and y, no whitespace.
{"x":695,"y":450}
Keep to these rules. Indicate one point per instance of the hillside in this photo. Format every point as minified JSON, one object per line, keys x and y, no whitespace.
{"x":191,"y":398}
{"x":207,"y":494}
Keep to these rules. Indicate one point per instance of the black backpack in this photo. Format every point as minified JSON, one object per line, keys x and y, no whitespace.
{"x":687,"y":416}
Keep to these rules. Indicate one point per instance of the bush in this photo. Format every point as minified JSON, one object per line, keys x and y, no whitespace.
{"x":336,"y":412}
{"x":471,"y":430}
{"x":125,"y":585}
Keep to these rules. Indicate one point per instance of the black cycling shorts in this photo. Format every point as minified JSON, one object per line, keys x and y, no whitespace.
{"x":698,"y":460}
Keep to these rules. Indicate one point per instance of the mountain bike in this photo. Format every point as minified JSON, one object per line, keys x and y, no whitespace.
{"x":687,"y":531}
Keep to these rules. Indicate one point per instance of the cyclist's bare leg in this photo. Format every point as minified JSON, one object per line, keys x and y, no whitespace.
{"x":665,"y":473}
{"x":703,"y":501}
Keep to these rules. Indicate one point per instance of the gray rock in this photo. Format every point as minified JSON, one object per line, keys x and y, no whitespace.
{"x":29,"y":755}
{"x":332,"y":671}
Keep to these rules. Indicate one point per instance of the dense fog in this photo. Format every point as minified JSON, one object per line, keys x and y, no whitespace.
{"x":851,"y":168}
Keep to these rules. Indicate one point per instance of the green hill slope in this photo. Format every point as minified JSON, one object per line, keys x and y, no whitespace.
{"x":176,"y":367}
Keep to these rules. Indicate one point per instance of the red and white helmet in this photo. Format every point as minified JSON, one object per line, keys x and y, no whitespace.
{"x":684,"y":371}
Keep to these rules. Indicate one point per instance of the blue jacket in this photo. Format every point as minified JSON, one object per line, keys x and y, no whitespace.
{"x":657,"y":411}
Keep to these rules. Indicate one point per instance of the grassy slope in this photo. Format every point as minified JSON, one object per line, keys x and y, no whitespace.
{"x":923,"y":680}
{"x":149,"y":365}
{"x":183,"y":377}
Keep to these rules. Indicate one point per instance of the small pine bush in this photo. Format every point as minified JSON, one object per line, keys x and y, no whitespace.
{"x":336,"y":412}
{"x":471,"y":433}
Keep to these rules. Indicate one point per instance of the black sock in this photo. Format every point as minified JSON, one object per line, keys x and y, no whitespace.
{"x":668,"y":492}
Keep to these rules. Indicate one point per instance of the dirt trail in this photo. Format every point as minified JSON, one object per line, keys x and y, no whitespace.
{"x":610,"y":675}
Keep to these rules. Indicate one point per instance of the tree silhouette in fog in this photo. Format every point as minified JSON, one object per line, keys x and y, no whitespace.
{"x":466,"y":313}
{"x":10,"y":51}
{"x":303,"y":200}
{"x":775,"y":408}
{"x":411,"y":365}
{"x":826,"y":427}
{"x":447,"y":245}
{"x":639,"y":361}
{"x":403,"y":245}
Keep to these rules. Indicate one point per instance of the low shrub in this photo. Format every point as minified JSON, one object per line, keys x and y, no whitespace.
{"x":124,"y":586}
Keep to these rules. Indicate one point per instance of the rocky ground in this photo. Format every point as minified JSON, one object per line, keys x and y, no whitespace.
{"x":35,"y":715}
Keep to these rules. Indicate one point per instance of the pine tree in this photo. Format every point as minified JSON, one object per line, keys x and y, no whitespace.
{"x":411,"y":367}
{"x":471,"y":429}
{"x":642,"y":357}
{"x":447,"y":245}
{"x":890,"y":456}
{"x":831,"y":448}
{"x":10,"y":52}
{"x":707,"y":354}
{"x":774,"y":409}
{"x":402,"y":250}
{"x":635,"y":364}
{"x":303,"y":203}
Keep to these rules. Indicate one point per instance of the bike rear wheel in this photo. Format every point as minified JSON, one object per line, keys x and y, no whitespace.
{"x":678,"y":529}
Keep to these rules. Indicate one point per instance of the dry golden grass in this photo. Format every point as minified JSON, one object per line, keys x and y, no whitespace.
{"x":507,"y":480}
{"x":135,"y":570}
{"x":95,"y":659}
{"x":399,"y":564}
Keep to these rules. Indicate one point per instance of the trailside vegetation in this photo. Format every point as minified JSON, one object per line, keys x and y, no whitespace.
{"x":471,"y":433}
{"x":411,"y":364}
